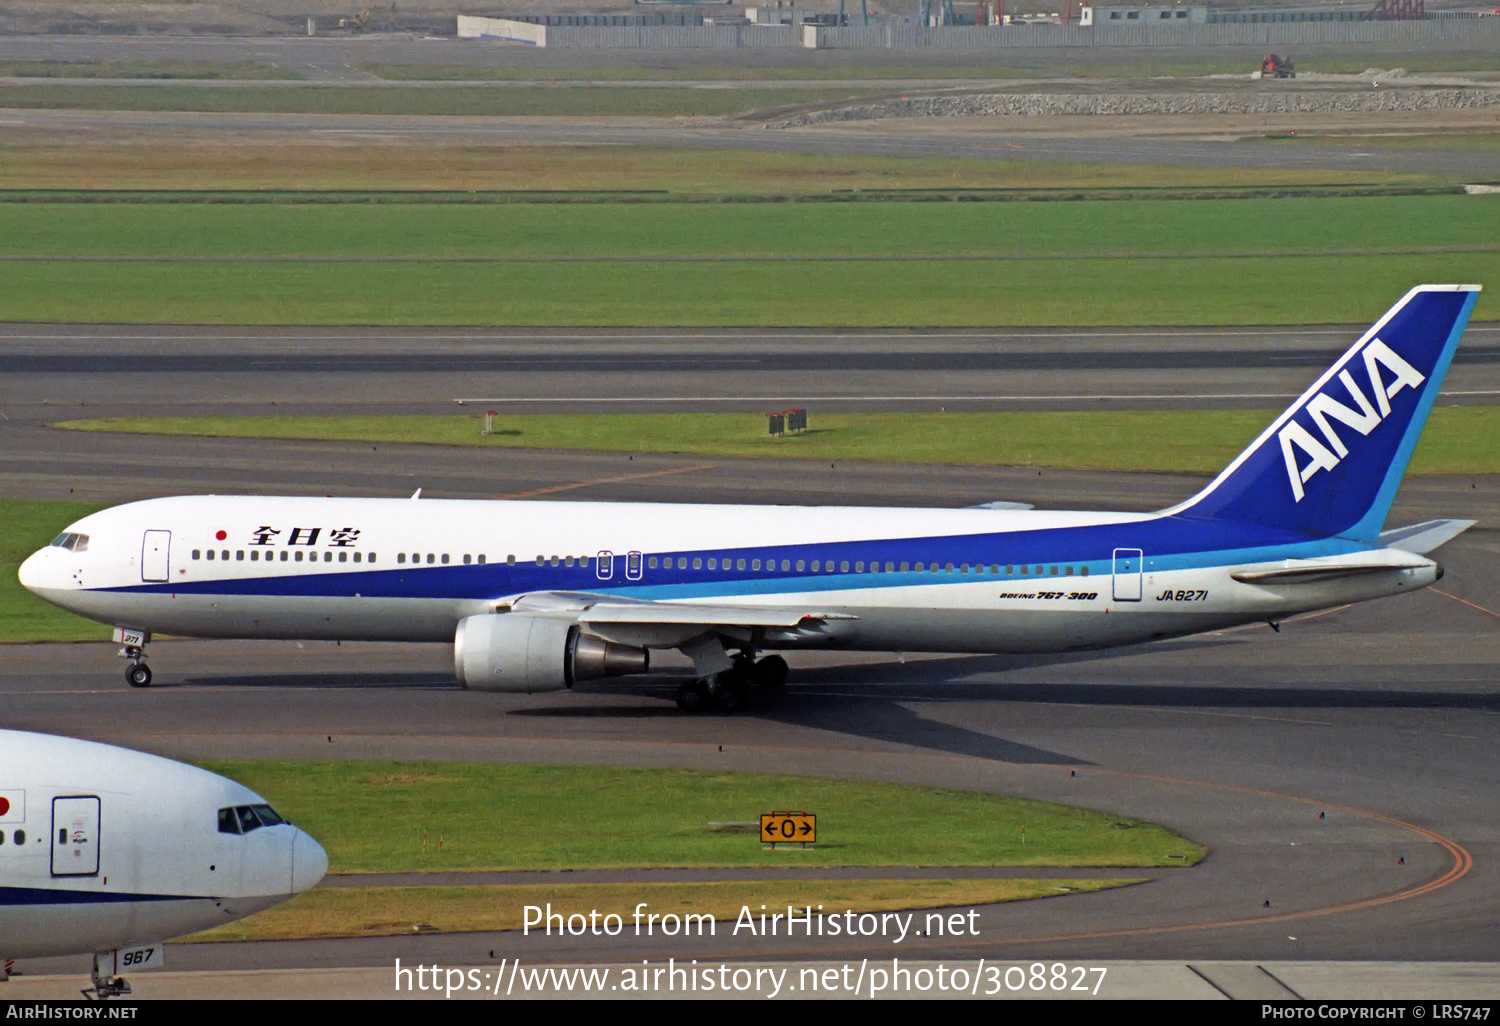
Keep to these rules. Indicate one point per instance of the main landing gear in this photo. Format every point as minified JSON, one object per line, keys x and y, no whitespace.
{"x":728,"y":692}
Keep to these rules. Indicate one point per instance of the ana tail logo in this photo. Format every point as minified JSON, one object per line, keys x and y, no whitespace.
{"x":1324,"y":408}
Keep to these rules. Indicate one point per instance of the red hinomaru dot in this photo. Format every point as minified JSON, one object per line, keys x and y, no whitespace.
{"x":4,"y":806}
{"x":222,"y":535}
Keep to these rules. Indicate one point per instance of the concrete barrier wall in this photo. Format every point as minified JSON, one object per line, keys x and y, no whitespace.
{"x":1460,"y":34}
{"x":666,"y":37}
{"x":1466,"y":33}
{"x":501,"y":28}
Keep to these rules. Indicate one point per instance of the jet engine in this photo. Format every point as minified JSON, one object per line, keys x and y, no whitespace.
{"x":520,"y":653}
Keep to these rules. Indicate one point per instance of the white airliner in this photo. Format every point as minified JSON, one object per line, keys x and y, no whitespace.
{"x":538,"y":595}
{"x":108,"y":852}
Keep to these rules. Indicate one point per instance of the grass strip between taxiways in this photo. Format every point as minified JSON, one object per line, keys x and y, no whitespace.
{"x":383,"y":911}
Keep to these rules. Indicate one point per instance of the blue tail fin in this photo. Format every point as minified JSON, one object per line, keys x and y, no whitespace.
{"x":1330,"y":464}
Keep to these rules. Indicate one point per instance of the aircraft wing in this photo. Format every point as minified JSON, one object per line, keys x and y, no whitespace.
{"x":672,"y":624}
{"x":1424,"y":537}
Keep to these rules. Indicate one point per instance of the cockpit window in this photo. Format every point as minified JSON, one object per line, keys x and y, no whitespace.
{"x":267,"y":815}
{"x":241,"y":819}
{"x":72,"y":542}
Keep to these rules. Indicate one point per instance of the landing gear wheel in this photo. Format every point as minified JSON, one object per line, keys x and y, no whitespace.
{"x":731,"y":695}
{"x":693,"y":697}
{"x":138,"y":675}
{"x":770,"y":672}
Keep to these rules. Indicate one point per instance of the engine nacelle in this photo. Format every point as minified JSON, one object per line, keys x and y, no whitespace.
{"x":521,"y":653}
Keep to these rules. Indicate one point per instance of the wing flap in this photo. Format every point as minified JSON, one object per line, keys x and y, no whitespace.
{"x":704,"y":615}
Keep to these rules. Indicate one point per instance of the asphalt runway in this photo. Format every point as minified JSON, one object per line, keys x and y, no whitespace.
{"x":936,"y":139}
{"x":1379,"y":716}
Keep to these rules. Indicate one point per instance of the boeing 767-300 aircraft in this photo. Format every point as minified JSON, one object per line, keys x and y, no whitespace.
{"x":538,"y":595}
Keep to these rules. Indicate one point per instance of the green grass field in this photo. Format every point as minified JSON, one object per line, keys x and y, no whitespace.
{"x":869,"y":264}
{"x":1458,"y":439}
{"x":25,"y":526}
{"x":737,"y":293}
{"x":390,"y":817}
{"x":1312,"y":226}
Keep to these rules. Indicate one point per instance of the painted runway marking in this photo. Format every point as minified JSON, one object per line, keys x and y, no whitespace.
{"x":606,"y":480}
{"x":1465,"y":602}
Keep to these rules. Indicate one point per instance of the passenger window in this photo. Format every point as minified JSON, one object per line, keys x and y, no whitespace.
{"x":739,"y":564}
{"x":962,"y":569}
{"x":467,"y":558}
{"x":239,"y":555}
{"x":196,"y":553}
{"x":816,"y":565}
{"x":801,"y":566}
{"x":921,"y":567}
{"x":210,"y":553}
{"x":224,"y":554}
{"x":905,"y":567}
{"x":786,"y":564}
{"x":254,"y":556}
{"x":682,"y":562}
{"x":229,"y":823}
{"x":995,"y":569}
{"x":284,"y":556}
{"x":19,"y":837}
{"x":298,"y":556}
{"x":400,"y":557}
{"x":697,"y":563}
{"x":541,"y":561}
{"x":950,"y":568}
{"x":713,"y":564}
{"x":567,"y":561}
{"x":1054,"y":571}
{"x":431,"y":558}
{"x":1067,"y":571}
{"x":755,"y":564}
{"x":651,"y":562}
{"x":844,"y":567}
{"x":1083,"y":572}
{"x":357,"y":555}
{"x":371,"y":558}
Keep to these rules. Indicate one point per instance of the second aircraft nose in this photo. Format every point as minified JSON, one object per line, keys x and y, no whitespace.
{"x":309,"y":863}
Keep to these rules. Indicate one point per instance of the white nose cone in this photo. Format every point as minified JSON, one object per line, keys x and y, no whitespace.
{"x":31,"y":573}
{"x":309,"y":863}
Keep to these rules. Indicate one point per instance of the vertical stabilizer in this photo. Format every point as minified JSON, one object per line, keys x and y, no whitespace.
{"x":1330,"y":464}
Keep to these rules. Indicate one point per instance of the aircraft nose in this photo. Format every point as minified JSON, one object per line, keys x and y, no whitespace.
{"x":33,"y":573}
{"x":309,"y":863}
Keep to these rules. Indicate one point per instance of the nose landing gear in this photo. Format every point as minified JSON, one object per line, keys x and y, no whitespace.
{"x":138,"y":675}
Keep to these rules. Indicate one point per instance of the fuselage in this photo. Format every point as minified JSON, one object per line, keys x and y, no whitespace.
{"x":105,"y":848}
{"x":967,"y":580}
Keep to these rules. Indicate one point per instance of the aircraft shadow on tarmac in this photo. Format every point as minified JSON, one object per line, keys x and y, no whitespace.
{"x":387,"y":681}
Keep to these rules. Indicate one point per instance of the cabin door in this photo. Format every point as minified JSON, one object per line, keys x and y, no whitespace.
{"x":155,"y":548}
{"x":75,"y":836}
{"x":1128,"y":575}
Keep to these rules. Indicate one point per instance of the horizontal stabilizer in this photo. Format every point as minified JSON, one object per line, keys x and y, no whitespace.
{"x":1315,"y":574}
{"x":1424,"y":537}
{"x":1002,"y":505}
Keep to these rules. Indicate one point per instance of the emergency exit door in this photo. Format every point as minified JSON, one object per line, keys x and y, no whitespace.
{"x":155,"y":549}
{"x":75,"y":836}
